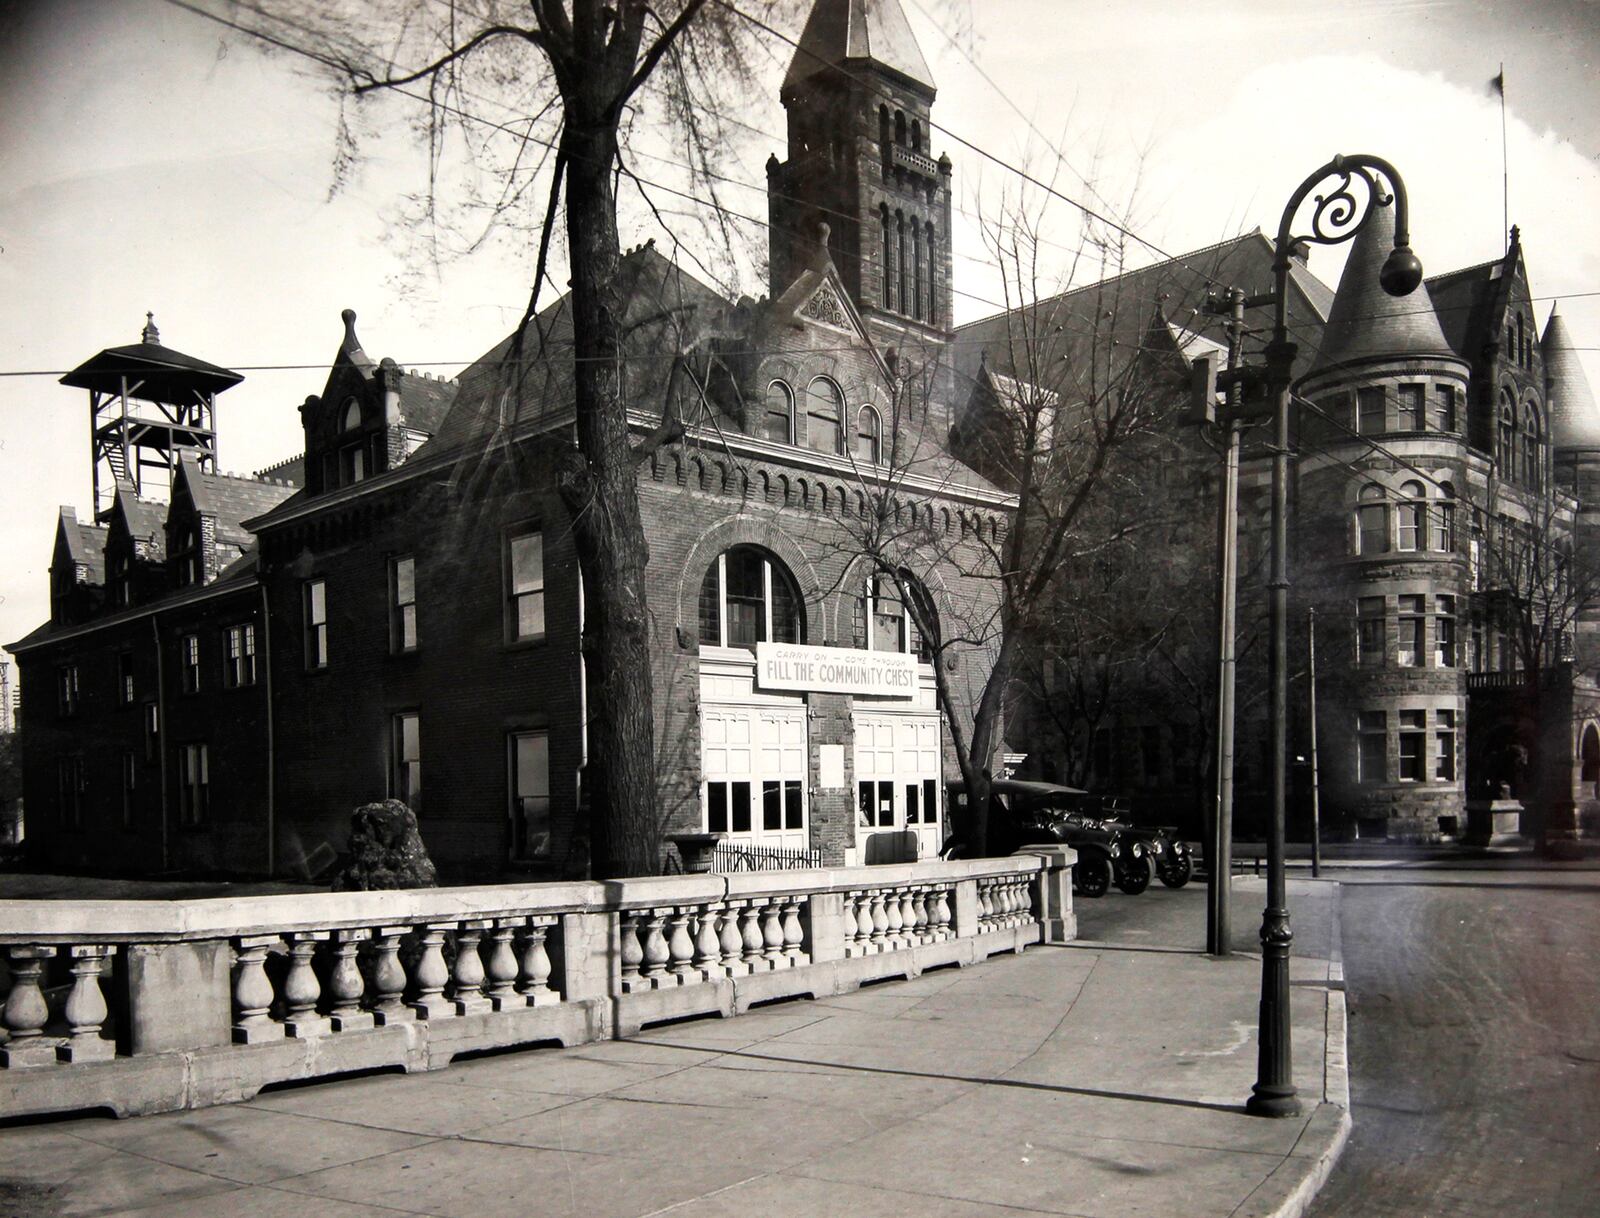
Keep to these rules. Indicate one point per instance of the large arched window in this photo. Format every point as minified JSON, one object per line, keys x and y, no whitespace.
{"x":887,"y":226}
{"x":777,"y":422}
{"x":1530,"y":446}
{"x":902,"y":286}
{"x":1409,"y":533}
{"x":824,"y":411}
{"x":749,"y":597}
{"x":892,"y":610}
{"x":1372,"y":521}
{"x":900,"y":127}
{"x":868,"y":436}
{"x":1508,"y":436}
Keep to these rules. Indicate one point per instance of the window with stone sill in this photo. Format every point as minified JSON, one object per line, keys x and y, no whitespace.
{"x":1372,"y":734}
{"x":1413,"y":736}
{"x":1444,"y":407}
{"x":1444,"y":742}
{"x":1444,"y":632}
{"x":1412,"y":402}
{"x":1409,"y":515}
{"x":1371,"y":409}
{"x":1412,"y":621}
{"x":1369,"y":632}
{"x":1372,"y":522}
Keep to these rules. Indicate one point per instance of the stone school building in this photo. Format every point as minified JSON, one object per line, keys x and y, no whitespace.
{"x":232,"y":663}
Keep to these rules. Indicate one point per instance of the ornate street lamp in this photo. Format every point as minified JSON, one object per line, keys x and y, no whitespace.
{"x":1338,"y":213}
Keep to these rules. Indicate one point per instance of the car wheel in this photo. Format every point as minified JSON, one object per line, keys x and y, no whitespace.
{"x":1091,"y":877}
{"x":1176,"y":874}
{"x":1135,"y":877}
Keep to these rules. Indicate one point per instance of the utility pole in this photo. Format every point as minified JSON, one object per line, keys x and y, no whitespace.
{"x":1316,"y":804}
{"x":1219,"y":881}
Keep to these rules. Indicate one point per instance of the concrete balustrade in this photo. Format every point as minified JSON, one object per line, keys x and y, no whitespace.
{"x":148,"y":1006}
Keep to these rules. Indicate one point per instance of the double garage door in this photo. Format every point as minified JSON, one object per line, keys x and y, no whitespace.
{"x":754,"y":761}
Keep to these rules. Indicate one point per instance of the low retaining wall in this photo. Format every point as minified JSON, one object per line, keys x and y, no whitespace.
{"x":150,"y":1006}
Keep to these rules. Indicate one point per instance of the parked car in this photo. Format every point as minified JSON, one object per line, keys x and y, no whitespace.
{"x":1169,"y":854}
{"x":1031,"y":813}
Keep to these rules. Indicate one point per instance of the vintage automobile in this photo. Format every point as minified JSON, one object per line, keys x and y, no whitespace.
{"x":1169,"y":854}
{"x":1030,"y":813}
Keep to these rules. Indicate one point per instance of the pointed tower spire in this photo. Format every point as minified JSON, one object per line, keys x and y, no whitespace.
{"x":841,"y":32}
{"x":1574,"y":416}
{"x":1365,"y":321}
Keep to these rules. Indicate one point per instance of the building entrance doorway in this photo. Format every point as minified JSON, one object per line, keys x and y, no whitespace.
{"x":754,"y":766}
{"x":898,"y":815}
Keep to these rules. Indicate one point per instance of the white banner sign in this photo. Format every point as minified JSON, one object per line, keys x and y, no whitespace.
{"x":835,"y":670}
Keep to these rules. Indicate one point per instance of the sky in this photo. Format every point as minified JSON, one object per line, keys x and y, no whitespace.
{"x":153,"y":160}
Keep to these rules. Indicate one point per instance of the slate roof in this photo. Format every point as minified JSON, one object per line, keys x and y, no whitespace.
{"x":86,"y":544}
{"x":145,"y":519}
{"x":1366,"y":321}
{"x":425,"y":400}
{"x":231,"y":500}
{"x":840,"y":32}
{"x":1574,"y":416}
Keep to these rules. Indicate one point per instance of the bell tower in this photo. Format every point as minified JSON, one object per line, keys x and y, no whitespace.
{"x":859,"y":97}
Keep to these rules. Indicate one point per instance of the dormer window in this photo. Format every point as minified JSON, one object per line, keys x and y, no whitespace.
{"x":186,"y":555}
{"x":353,"y":451}
{"x":121,"y":582}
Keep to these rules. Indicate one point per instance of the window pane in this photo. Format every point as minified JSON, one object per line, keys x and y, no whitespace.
{"x":794,"y":809}
{"x":823,"y":427}
{"x":930,"y":802}
{"x":319,"y":601}
{"x":527,"y":563}
{"x":771,"y":806}
{"x":405,"y":581}
{"x":913,"y":811}
{"x":741,"y":807}
{"x":1370,"y":407}
{"x":530,"y":614}
{"x":776,"y":421}
{"x":711,"y":607}
{"x":717,"y":807}
{"x":1374,"y":529}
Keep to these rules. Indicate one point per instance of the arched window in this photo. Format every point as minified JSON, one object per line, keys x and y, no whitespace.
{"x":902,"y":277}
{"x":1522,"y":343}
{"x":824,"y":429}
{"x":1530,"y":446}
{"x":919,"y":270}
{"x":893,"y":608}
{"x":749,"y":597}
{"x":900,"y":127}
{"x":1409,"y":516}
{"x":352,"y":415}
{"x":777,"y":423}
{"x":1590,"y":756}
{"x":1508,"y":436}
{"x":888,"y":256}
{"x":883,"y":137}
{"x":1444,"y":519}
{"x":928,"y":248}
{"x":1511,"y":338}
{"x":867,"y":436}
{"x":1372,"y":522}
{"x":916,"y":135}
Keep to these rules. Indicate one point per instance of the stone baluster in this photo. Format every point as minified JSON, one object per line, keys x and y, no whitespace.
{"x":85,"y":1009}
{"x":1026,"y":894}
{"x":431,"y":975}
{"x":864,"y":923}
{"x":908,"y":918}
{"x":754,"y":941}
{"x":793,"y":933}
{"x":940,"y":914}
{"x":921,"y":924}
{"x":345,"y":983}
{"x":880,"y":922}
{"x":707,"y":945}
{"x":731,"y":942}
{"x":656,"y":954}
{"x":389,"y":978}
{"x":500,"y":969}
{"x":893,"y":922}
{"x":468,"y":978}
{"x":680,"y":945}
{"x":26,"y":1011}
{"x":1016,"y":900}
{"x":772,"y":935}
{"x":252,"y":992}
{"x":631,"y":953}
{"x":985,"y":906}
{"x":301,"y":989}
{"x":534,"y":984}
{"x":847,"y":918}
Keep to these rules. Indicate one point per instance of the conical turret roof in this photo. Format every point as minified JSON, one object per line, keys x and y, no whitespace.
{"x":841,"y":31}
{"x":1574,"y":417}
{"x":1365,"y":321}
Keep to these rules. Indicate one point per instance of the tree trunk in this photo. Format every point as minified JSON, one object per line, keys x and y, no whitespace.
{"x":600,"y":491}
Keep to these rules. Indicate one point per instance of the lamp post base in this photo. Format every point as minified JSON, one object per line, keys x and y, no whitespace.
{"x":1268,"y":1101}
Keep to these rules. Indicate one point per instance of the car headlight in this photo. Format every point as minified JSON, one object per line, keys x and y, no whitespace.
{"x":1136,"y":850}
{"x":1116,"y":851}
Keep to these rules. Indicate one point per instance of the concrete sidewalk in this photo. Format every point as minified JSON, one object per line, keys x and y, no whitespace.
{"x":1092,"y":1079}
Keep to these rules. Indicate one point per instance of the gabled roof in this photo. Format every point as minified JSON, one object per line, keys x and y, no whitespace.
{"x":85,"y":543}
{"x":144,"y":520}
{"x":842,"y":32}
{"x":1574,"y":417}
{"x":153,"y":373}
{"x":1366,"y":322}
{"x":230,"y":500}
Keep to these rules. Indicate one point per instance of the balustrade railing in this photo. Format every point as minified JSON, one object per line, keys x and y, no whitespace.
{"x":344,"y":981}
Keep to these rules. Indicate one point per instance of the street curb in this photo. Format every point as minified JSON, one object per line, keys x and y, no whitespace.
{"x":1289,"y":1191}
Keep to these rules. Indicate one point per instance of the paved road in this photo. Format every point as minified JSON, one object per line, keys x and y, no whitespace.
{"x":1475,"y":1043}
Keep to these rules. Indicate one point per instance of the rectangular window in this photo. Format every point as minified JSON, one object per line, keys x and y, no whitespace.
{"x":1444,"y":407}
{"x":240,"y":666}
{"x":130,"y":781}
{"x":1370,"y":408}
{"x":1413,"y":407}
{"x":194,"y":785}
{"x":1444,"y":633}
{"x":1412,"y":737}
{"x":1372,"y":729}
{"x":1408,"y":525}
{"x":1409,"y":653}
{"x":728,"y":807}
{"x":1444,"y":745}
{"x":152,"y":731}
{"x":403,"y":603}
{"x":1444,"y":527}
{"x":530,"y":795}
{"x":67,"y":690}
{"x":525,"y":575}
{"x":69,"y":792}
{"x":406,"y":778}
{"x":1369,"y":632}
{"x":125,"y":678}
{"x":1373,"y":519}
{"x":876,"y":801}
{"x":189,"y":657}
{"x":316,"y":623}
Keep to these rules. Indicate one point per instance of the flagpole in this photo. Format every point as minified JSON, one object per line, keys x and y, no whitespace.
{"x":1505,"y":168}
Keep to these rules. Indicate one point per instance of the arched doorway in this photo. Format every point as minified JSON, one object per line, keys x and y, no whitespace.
{"x":1589,"y":762}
